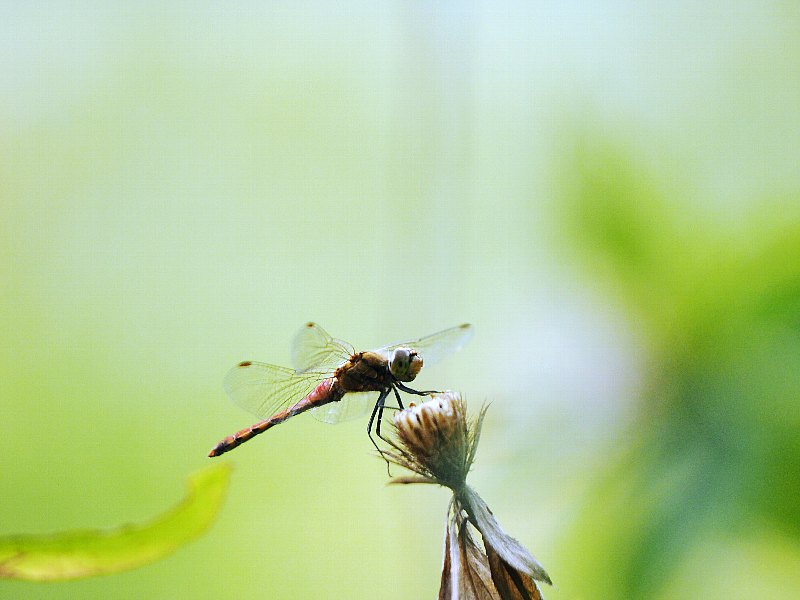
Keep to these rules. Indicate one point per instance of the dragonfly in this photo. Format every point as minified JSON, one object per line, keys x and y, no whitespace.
{"x":332,"y":380}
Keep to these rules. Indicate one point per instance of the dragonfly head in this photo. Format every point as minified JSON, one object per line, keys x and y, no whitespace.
{"x":404,"y":364}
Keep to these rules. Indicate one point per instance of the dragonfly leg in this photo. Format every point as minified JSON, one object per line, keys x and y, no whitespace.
{"x":408,"y":390}
{"x":397,"y":395}
{"x":383,"y":407}
{"x":380,"y":419}
{"x":378,"y":410}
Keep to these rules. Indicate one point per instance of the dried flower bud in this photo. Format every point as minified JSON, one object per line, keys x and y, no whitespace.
{"x":436,"y":440}
{"x":438,"y":443}
{"x":426,"y":429}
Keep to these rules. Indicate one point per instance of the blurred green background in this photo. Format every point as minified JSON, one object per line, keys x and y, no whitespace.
{"x":610,"y":192}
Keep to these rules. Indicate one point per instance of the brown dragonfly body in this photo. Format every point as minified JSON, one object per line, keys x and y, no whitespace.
{"x":327,"y":370}
{"x":327,"y":391}
{"x":364,"y":372}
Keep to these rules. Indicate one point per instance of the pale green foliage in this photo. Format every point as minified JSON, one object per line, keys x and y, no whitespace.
{"x":713,"y":450}
{"x":76,"y":554}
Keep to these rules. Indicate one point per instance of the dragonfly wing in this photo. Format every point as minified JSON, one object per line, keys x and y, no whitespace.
{"x":352,"y":406}
{"x":314,"y":348}
{"x":434,"y":348}
{"x":263,"y":389}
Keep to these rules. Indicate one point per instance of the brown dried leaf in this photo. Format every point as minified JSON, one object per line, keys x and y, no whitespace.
{"x":446,"y":585}
{"x":512,"y":552}
{"x":476,"y":573}
{"x":511,"y":583}
{"x":412,"y":479}
{"x":465,"y":569}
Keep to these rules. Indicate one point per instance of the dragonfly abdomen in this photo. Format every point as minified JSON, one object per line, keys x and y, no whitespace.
{"x":325,"y":392}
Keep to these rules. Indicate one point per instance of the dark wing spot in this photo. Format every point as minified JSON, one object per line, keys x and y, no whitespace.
{"x":464,"y":326}
{"x":310,"y":324}
{"x":246,"y":363}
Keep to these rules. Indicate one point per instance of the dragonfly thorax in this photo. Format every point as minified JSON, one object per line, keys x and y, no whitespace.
{"x":364,"y":372}
{"x":405,"y":364}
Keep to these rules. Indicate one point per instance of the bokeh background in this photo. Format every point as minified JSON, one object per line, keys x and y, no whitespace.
{"x":609,"y":191}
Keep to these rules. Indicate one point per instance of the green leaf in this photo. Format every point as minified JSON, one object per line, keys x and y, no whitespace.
{"x":76,"y":554}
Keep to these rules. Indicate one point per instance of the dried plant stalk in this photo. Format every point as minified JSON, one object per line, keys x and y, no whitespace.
{"x":438,"y":442}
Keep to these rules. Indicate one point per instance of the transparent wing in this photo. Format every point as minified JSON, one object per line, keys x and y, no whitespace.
{"x":434,"y":348}
{"x":313,"y":348}
{"x":353,"y":406}
{"x":264,"y":389}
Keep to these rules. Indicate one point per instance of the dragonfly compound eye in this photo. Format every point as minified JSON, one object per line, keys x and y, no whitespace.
{"x":404,"y":364}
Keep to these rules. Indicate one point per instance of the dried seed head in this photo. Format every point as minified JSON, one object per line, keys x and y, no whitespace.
{"x":436,"y":440}
{"x":426,"y":427}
